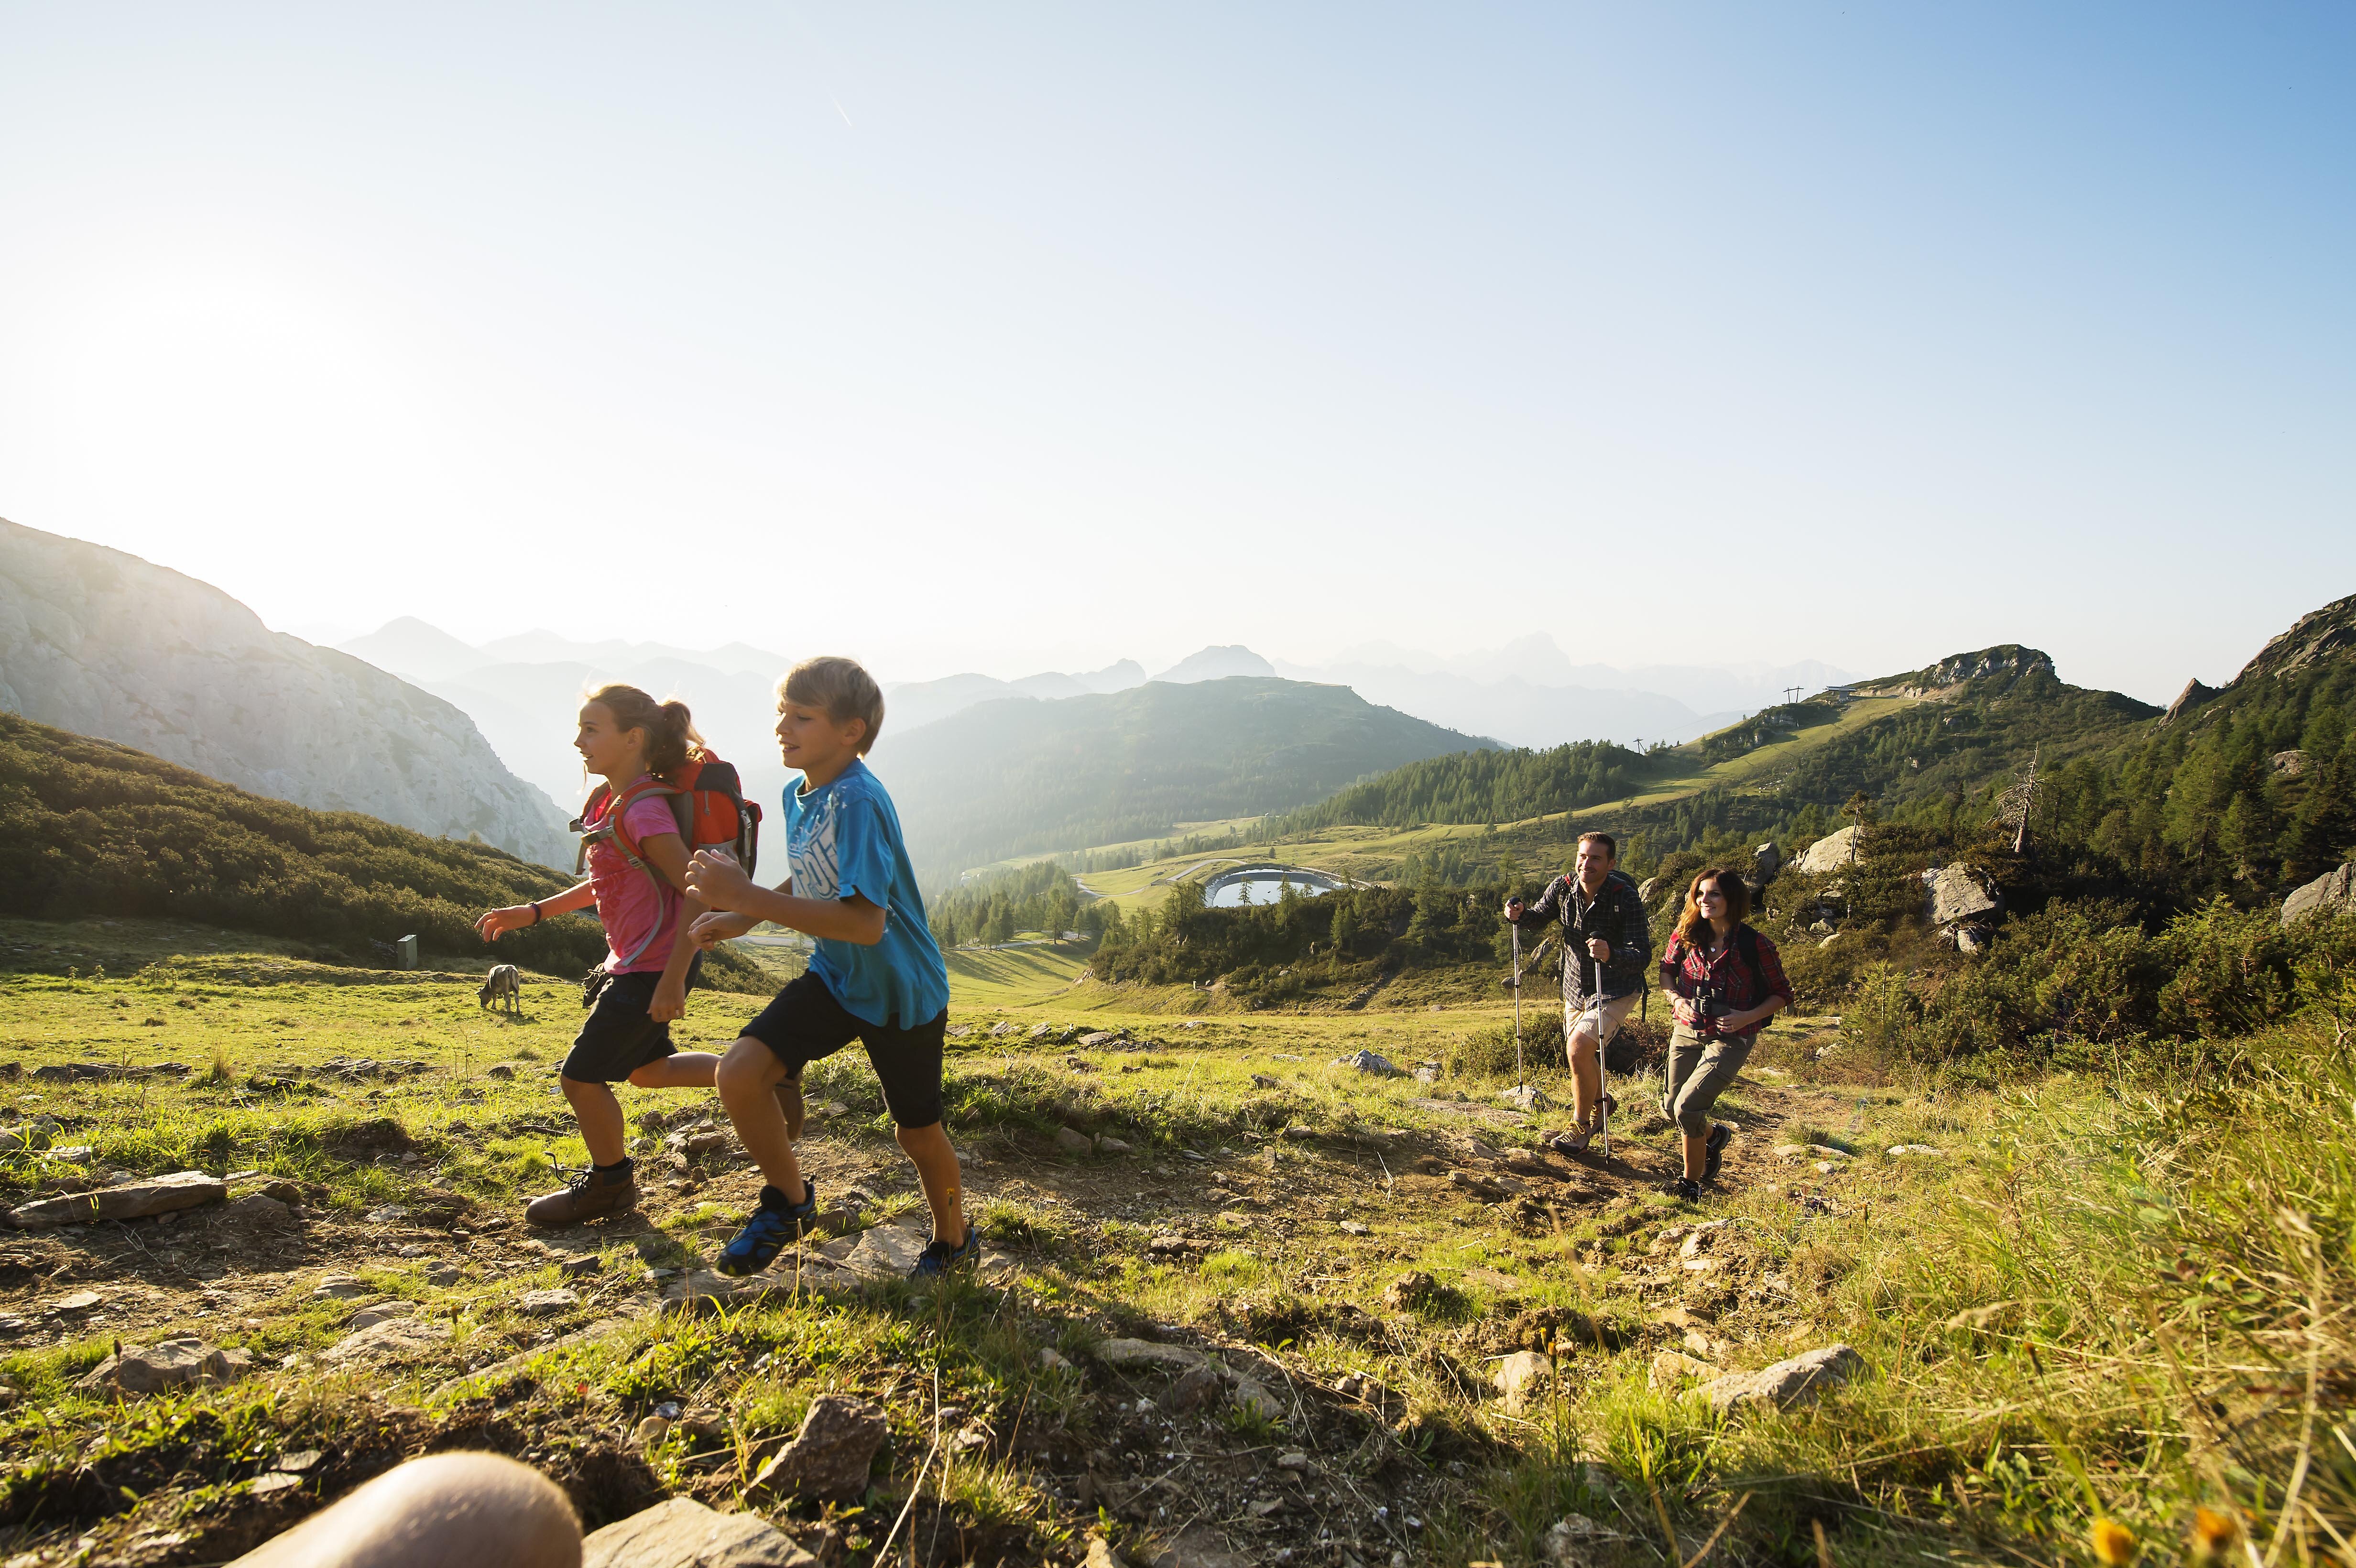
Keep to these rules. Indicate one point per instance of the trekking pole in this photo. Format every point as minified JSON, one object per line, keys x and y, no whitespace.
{"x":1602,"y":1089}
{"x":1521,"y":1079}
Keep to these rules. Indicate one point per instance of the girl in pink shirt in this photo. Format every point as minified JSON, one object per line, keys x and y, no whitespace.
{"x":631,"y":741}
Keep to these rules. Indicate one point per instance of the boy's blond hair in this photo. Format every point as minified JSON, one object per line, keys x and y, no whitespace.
{"x":841,"y":687}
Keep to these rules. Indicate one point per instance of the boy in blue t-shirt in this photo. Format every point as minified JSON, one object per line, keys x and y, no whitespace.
{"x":876,"y":977}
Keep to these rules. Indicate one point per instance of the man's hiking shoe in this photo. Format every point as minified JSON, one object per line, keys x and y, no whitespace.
{"x":593,"y":1195}
{"x":940,"y":1257}
{"x":764,"y":1235}
{"x":1720,"y":1134}
{"x":1688,"y":1191}
{"x":1574,"y":1142}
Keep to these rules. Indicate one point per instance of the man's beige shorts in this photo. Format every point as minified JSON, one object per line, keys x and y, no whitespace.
{"x":1614,"y":1013}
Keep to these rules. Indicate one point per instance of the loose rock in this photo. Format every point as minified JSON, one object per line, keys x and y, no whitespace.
{"x":683,"y":1533}
{"x":547,"y":1303}
{"x":829,"y":1457}
{"x":1522,"y":1378}
{"x":131,"y":1200}
{"x":1796,"y":1381}
{"x":167,"y":1364}
{"x":1072,"y":1141}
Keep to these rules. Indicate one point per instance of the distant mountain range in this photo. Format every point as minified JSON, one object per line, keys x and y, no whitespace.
{"x":1012,"y":777}
{"x":103,"y":644}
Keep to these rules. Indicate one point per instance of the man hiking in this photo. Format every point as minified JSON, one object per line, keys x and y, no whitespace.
{"x":1606,"y":944}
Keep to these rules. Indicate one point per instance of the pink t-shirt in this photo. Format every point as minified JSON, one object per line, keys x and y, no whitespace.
{"x":628,"y":903}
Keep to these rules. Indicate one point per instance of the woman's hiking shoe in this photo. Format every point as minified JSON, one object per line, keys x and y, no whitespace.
{"x":1720,"y":1134}
{"x":593,"y":1195}
{"x":1686,"y":1190}
{"x":764,"y":1235}
{"x":940,"y":1257}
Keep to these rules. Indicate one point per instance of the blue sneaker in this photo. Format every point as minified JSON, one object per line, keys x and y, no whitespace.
{"x":764,"y":1235}
{"x":940,"y":1257}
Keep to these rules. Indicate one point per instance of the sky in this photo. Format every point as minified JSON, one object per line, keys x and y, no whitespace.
{"x":1030,"y":336}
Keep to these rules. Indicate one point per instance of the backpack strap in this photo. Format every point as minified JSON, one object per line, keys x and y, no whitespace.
{"x":611,"y":828}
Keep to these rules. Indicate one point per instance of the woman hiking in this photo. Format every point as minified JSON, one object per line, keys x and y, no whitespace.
{"x":1726,"y":980}
{"x":637,"y":879}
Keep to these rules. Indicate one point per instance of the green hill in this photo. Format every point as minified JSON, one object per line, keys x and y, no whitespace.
{"x":1020,"y":777}
{"x":92,"y":828}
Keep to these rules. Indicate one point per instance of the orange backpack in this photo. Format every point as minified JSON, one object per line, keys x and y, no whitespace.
{"x":706,"y":799}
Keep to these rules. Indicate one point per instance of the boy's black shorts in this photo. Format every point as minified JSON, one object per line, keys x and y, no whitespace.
{"x":805,"y":1023}
{"x":617,"y":1037}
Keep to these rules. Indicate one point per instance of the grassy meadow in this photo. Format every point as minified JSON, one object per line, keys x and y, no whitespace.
{"x":2110,"y":1298}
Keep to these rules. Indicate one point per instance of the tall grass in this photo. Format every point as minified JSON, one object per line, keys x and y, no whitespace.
{"x":2123,"y":1300}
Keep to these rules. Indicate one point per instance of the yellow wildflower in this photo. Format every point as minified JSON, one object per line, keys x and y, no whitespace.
{"x":2214,"y":1534}
{"x":2114,"y":1544}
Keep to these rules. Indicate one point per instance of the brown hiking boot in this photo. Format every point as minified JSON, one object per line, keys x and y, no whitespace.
{"x":592,"y":1195}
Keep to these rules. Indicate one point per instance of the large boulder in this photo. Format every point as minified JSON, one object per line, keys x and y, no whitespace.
{"x":2334,"y":892}
{"x":1828,"y":854}
{"x":1766,"y":860}
{"x":1958,"y":892}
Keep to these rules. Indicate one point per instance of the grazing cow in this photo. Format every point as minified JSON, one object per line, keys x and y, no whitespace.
{"x":502,"y":985}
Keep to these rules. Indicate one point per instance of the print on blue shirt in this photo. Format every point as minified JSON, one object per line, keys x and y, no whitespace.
{"x":845,"y":839}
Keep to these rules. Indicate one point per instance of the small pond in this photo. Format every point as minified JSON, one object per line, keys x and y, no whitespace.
{"x":1264,"y":885}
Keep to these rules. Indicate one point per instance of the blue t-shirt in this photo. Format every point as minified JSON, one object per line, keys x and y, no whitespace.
{"x":845,"y":839}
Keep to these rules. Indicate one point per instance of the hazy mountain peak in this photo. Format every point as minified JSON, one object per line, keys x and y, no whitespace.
{"x":408,"y":646}
{"x":1217,"y":663}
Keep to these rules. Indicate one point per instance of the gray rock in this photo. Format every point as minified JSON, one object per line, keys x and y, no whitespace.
{"x":683,"y":1533}
{"x":1647,"y":888}
{"x":1196,"y":1388}
{"x":261,"y":1209}
{"x":884,"y":1251}
{"x":164,"y":1365}
{"x":1766,"y":860}
{"x":370,"y":1316}
{"x":338,"y":1287}
{"x":1522,"y":1378}
{"x":1958,"y":892}
{"x":1251,"y":1397}
{"x":1828,"y":854}
{"x":547,"y":1303}
{"x":2290,"y":764}
{"x":1129,"y":1353}
{"x":1971,"y":941}
{"x":1525,"y":1098}
{"x":398,"y":1338}
{"x":131,"y":1200}
{"x":1199,"y":1546}
{"x":2333,"y":893}
{"x":1575,"y":1540}
{"x":1796,"y":1381}
{"x":1367,"y":1061}
{"x":830,"y":1456}
{"x":1101,"y":1554}
{"x":1072,"y":1141}
{"x":1107,"y":1144}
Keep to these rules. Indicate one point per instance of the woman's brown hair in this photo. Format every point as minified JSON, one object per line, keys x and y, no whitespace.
{"x":671,"y":737}
{"x":1691,"y":920}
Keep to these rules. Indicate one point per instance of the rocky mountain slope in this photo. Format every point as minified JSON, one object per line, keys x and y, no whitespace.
{"x":105,"y":643}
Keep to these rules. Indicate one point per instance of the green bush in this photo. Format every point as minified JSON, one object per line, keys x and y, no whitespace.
{"x":89,"y":828}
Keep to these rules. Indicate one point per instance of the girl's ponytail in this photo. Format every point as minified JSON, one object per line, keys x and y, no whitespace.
{"x":671,"y":737}
{"x":673,"y":742}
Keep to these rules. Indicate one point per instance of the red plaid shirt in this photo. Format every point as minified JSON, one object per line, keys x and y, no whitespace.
{"x":1685,"y":966}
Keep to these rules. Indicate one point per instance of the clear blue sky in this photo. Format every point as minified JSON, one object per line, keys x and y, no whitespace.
{"x":1001,"y":337}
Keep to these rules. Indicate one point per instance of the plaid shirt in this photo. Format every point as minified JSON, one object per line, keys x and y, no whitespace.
{"x":1685,"y":966}
{"x":1616,"y":914}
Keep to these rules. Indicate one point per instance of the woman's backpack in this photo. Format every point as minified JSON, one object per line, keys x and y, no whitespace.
{"x":706,"y":800}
